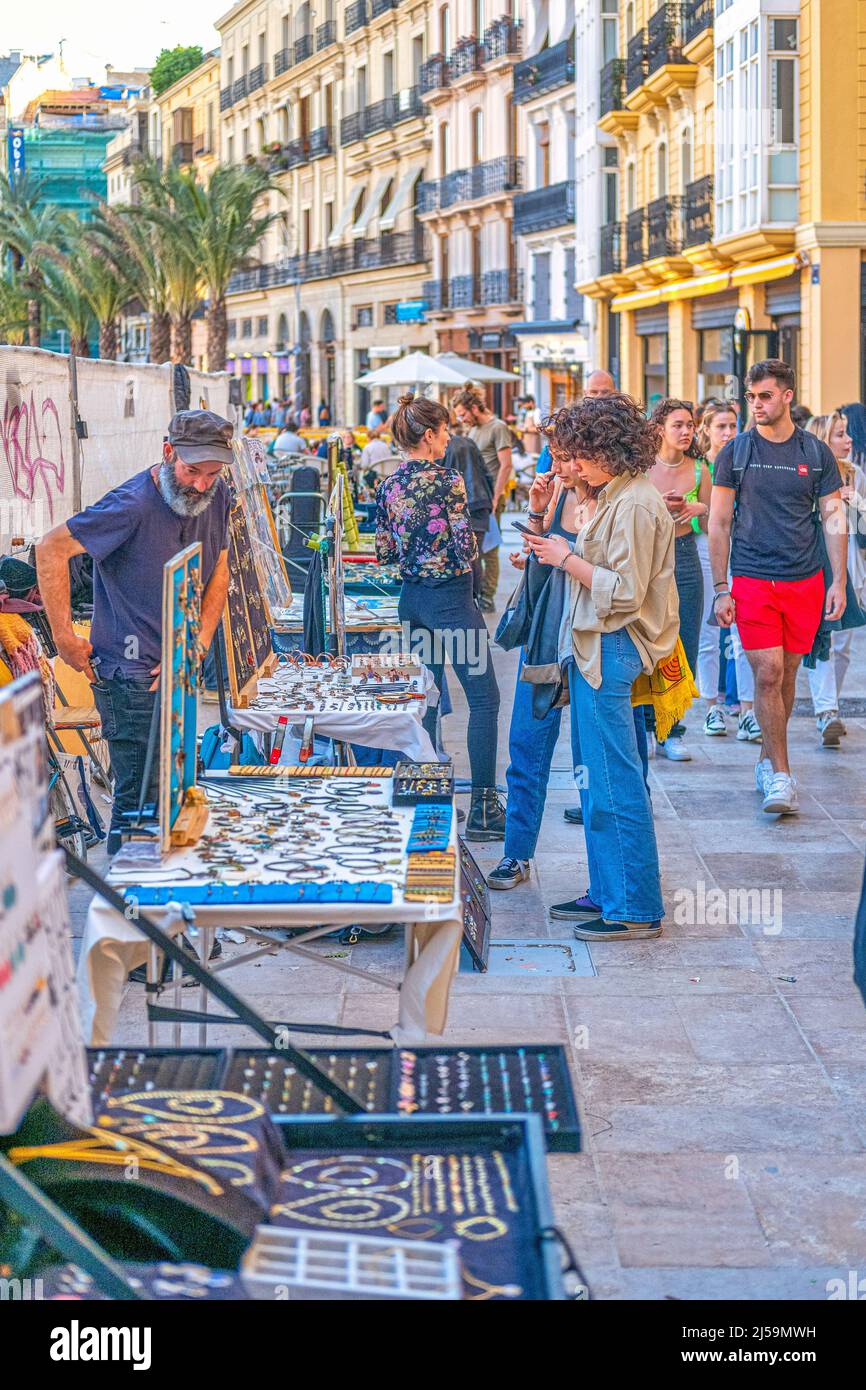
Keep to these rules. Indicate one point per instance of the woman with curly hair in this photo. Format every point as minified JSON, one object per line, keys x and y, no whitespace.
{"x":621,"y":618}
{"x":685,"y":485}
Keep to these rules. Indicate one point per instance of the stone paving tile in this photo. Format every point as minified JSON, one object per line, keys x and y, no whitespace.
{"x":811,"y":1209}
{"x":675,"y":1129}
{"x":681,"y":1211}
{"x":654,"y":1031}
{"x":729,"y":1285}
{"x":678,"y":1081}
{"x":642,"y":983}
{"x":741,"y":1030}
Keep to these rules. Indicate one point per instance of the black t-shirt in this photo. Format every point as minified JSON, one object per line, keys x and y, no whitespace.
{"x":774,"y":531}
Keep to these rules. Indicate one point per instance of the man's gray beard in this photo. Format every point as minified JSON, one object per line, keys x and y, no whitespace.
{"x":185,"y":501}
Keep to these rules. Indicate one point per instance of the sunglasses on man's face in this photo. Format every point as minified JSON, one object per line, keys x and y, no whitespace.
{"x":752,"y":396}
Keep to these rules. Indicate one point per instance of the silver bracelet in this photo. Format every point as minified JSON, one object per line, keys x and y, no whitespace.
{"x":564,"y":561}
{"x":536,"y":516}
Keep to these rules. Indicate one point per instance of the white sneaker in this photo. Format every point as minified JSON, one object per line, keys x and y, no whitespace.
{"x":780,"y":798}
{"x":673,"y":750}
{"x":831,"y":729}
{"x":748,"y":728}
{"x":714,"y":724}
{"x":763,"y":773}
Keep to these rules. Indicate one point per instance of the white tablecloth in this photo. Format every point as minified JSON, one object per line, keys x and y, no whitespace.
{"x":112,"y":944}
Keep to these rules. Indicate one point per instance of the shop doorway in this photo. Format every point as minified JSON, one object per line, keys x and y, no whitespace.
{"x":751,"y":346}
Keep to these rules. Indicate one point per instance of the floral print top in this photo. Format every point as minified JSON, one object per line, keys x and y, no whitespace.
{"x":422,"y":522}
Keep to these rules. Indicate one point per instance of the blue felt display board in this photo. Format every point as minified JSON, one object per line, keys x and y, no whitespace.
{"x":179,"y":677}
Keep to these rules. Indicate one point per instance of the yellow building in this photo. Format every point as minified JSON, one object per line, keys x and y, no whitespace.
{"x":189,"y":118}
{"x":328,"y":100}
{"x":740,"y":232}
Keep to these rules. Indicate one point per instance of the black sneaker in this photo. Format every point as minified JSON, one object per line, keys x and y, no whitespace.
{"x":573,"y":814}
{"x":600,"y":929}
{"x":508,"y":873}
{"x":576,"y":909}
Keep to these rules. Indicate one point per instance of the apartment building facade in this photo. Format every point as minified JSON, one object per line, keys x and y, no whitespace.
{"x":739,"y":230}
{"x":475,"y":293}
{"x":554,"y":346}
{"x":189,"y":119}
{"x":328,"y":98}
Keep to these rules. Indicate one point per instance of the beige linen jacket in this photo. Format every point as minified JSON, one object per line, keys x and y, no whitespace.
{"x":630,"y":541}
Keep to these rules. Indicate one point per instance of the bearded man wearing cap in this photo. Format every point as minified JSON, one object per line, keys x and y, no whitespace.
{"x":130,"y":533}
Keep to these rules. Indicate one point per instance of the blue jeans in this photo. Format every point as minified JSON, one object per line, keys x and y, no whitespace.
{"x":125,"y":708}
{"x":530,"y":749}
{"x":624,"y":876}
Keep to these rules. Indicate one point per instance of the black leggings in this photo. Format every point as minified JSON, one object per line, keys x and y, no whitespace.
{"x":444,"y":621}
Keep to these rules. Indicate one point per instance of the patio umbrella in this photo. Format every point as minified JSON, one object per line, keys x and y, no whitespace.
{"x":417,"y":369}
{"x":475,"y":371}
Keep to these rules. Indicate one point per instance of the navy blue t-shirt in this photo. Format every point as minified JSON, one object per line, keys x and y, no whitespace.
{"x":131,"y":532}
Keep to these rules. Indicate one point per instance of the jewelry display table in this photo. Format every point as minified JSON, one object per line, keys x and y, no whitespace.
{"x":277,"y":838}
{"x":341,"y":707}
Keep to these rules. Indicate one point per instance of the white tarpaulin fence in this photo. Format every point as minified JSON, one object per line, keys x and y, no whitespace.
{"x":126,"y":409}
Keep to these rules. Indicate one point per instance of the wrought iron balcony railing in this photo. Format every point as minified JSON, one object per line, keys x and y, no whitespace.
{"x":304,"y":48}
{"x":635,"y":63}
{"x":326,"y":34}
{"x":610,"y":248}
{"x":665,"y":37}
{"x":543,"y":208}
{"x":698,"y":212}
{"x":181,"y":152}
{"x":435,"y":293}
{"x":503,"y":39}
{"x":296,"y":152}
{"x":611,"y":91}
{"x":389,"y":249}
{"x":551,"y":68}
{"x":434,"y":74}
{"x":258,"y":76}
{"x":698,"y":17}
{"x":502,"y":175}
{"x":225,"y":97}
{"x":464,"y":291}
{"x":502,"y":287}
{"x":664,"y":227}
{"x":356,"y":16}
{"x":381,"y":115}
{"x":466,"y":57}
{"x":635,"y":237}
{"x":282,"y":61}
{"x":321,"y":142}
{"x":239,"y":89}
{"x":380,"y":6}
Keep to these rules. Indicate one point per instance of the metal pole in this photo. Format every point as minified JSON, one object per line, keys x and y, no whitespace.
{"x":76,"y":442}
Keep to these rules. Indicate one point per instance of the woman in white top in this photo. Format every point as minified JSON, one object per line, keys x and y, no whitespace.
{"x":825,"y":681}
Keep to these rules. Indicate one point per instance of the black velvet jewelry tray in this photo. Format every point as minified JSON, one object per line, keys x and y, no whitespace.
{"x":481,"y":1182}
{"x":407,"y":1082}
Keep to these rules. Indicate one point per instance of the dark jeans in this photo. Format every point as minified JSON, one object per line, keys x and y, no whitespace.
{"x":689,"y":580}
{"x":125,"y":708}
{"x":444,"y":621}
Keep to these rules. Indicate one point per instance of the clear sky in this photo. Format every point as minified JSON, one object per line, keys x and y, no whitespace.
{"x":121,"y":32}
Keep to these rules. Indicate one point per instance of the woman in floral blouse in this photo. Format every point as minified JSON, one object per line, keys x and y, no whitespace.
{"x":423,"y":524}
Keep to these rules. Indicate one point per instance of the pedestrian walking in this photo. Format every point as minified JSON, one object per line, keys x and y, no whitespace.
{"x":776,"y":492}
{"x":826,"y":677}
{"x":685,"y":484}
{"x":599,"y":384}
{"x":494,"y":440}
{"x":718,"y":426}
{"x":531,"y":426}
{"x":423,"y":525}
{"x":620,"y":618}
{"x":131,"y":533}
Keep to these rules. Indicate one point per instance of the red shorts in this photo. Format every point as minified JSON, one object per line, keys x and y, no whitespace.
{"x":782,"y":613}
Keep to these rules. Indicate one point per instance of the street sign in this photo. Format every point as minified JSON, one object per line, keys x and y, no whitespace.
{"x":411,"y":311}
{"x":17,"y":158}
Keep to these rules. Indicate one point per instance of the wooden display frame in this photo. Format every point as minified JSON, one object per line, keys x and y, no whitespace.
{"x":249,"y":476}
{"x":246,"y":617}
{"x":182,"y":812}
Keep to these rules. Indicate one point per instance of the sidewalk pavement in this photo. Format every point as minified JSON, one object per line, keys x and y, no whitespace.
{"x":720,"y":1070}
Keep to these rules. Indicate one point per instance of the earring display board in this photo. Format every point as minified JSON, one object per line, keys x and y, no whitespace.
{"x":40,"y":1031}
{"x":453,"y":1081}
{"x":249,"y":473}
{"x":181,"y":814}
{"x":246,"y":618}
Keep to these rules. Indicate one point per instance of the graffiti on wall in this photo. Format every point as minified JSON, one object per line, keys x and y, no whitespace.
{"x":32,"y":441}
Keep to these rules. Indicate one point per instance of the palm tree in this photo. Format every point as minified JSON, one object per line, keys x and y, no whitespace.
{"x":216,"y":228}
{"x":103,"y":286}
{"x":156,"y":218}
{"x":25,"y":223}
{"x":13,"y":309}
{"x":132,"y":247}
{"x":63,"y":295}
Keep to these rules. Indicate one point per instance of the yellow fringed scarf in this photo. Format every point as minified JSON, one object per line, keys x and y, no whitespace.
{"x":21,"y":651}
{"x":670,"y":690}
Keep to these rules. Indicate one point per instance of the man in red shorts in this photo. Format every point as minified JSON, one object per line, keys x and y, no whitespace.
{"x":774,"y":488}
